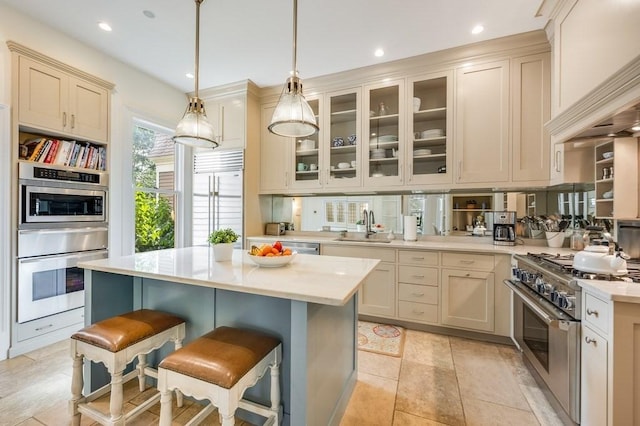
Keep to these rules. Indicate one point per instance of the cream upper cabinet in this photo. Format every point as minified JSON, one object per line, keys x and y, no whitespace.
{"x":52,"y":100}
{"x":308,"y":168}
{"x":571,"y":164}
{"x":228,"y":116}
{"x":275,"y":163}
{"x":482,"y":123}
{"x":428,"y":154}
{"x":530,"y":101}
{"x":384,"y":136}
{"x":342,"y":139}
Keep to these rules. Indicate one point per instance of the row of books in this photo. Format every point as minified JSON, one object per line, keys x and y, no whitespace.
{"x":64,"y":153}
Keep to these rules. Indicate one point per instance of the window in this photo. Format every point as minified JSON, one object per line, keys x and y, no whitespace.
{"x":154,"y":183}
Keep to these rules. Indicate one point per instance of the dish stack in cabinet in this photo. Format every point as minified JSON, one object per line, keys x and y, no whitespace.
{"x":616,"y":178}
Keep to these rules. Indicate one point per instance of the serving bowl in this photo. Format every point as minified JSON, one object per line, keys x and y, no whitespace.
{"x":272,"y":261}
{"x":607,"y":154}
{"x":344,"y":165}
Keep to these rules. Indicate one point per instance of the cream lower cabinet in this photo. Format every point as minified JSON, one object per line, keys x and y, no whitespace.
{"x":610,"y":373}
{"x":377,"y":296}
{"x":418,"y":286}
{"x":467,"y":292}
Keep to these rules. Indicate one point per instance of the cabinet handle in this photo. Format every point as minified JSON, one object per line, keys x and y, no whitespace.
{"x":400,"y":172}
{"x":459,"y":169}
{"x":417,"y":258}
{"x":286,"y":179}
{"x":418,"y":312}
{"x":418,"y":276}
{"x":589,"y":340}
{"x":410,"y":172}
{"x":73,"y":121}
{"x":592,"y":312}
{"x":417,"y":294}
{"x":557,"y":161}
{"x":467,"y":262}
{"x":64,"y":119}
{"x":44,"y":327}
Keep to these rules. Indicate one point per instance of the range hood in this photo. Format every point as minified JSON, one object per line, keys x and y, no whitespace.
{"x":616,"y":125}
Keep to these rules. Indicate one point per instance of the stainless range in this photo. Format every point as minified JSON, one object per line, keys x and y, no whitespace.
{"x":547,"y":302}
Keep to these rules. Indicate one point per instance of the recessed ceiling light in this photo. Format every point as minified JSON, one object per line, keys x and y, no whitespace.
{"x":477,"y":29}
{"x":149,"y":14}
{"x":379,"y":52}
{"x":104,"y":26}
{"x":636,"y":128}
{"x":189,"y":75}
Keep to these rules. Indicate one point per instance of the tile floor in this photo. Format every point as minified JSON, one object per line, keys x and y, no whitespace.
{"x":439,"y":380}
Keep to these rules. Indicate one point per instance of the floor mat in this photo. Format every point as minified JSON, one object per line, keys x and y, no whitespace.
{"x":380,"y":338}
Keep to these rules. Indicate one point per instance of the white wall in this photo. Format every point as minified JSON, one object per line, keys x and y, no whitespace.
{"x":5,"y":256}
{"x":134,"y":91}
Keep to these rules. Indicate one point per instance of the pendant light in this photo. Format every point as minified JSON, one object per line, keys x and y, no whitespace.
{"x":293,"y":117}
{"x":195,"y":129}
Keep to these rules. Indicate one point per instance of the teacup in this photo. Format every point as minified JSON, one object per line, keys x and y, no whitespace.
{"x":302,"y":167}
{"x":313,"y":167}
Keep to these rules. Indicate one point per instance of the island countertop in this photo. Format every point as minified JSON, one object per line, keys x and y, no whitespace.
{"x":326,"y":280}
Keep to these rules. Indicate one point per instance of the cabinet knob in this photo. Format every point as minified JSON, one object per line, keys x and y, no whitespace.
{"x":592,"y":312}
{"x":418,"y":312}
{"x":589,"y":340}
{"x":417,"y":294}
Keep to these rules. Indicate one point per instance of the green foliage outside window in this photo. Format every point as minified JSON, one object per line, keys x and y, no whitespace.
{"x":154,"y":221}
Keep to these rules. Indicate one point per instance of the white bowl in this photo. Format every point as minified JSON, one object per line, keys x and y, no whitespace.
{"x":344,"y":165}
{"x":607,"y":154}
{"x":306,"y":144}
{"x":272,"y":261}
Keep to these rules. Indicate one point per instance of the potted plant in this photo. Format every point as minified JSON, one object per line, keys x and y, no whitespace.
{"x":222,"y":242}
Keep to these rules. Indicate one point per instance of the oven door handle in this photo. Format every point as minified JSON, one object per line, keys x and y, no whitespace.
{"x":59,"y":230}
{"x":78,"y":256}
{"x":548,"y":319}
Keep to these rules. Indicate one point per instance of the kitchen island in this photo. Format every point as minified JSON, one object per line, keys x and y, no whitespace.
{"x":309,"y":304}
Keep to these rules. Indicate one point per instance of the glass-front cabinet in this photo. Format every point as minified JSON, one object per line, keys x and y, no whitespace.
{"x":342,"y":139}
{"x":384,"y":130}
{"x":308,"y":166}
{"x":429,"y":156}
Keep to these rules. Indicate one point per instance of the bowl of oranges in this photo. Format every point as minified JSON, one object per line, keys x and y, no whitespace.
{"x":271,"y":255}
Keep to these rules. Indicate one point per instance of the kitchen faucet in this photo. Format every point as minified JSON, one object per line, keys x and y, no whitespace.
{"x":369,"y":219}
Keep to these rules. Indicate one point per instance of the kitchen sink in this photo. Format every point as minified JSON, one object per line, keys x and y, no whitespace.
{"x":363,"y":240}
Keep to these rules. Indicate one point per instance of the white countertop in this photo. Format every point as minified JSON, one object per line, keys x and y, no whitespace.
{"x":327,"y":280}
{"x":617,"y":291}
{"x":466,"y":244}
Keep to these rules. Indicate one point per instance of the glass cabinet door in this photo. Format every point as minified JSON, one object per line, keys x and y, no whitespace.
{"x":343,"y":145}
{"x":429,"y":156}
{"x":385,"y":131}
{"x":307,"y":166}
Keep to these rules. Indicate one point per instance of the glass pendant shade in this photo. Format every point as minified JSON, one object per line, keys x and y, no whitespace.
{"x":293,"y":117}
{"x":195,"y":129}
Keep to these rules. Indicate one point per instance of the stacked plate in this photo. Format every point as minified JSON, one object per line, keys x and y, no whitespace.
{"x":388,"y":138}
{"x":422,"y":151}
{"x":432,"y":133}
{"x":377,"y":153}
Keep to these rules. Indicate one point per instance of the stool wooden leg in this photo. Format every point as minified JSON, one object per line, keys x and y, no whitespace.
{"x":115,"y":404}
{"x":142,"y":364}
{"x":77,"y":382}
{"x":165,"y":408}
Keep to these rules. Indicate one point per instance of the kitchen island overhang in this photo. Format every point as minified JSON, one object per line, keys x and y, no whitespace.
{"x":310,"y":304}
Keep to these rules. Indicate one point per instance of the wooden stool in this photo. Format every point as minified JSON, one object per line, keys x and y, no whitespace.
{"x":116,"y":342}
{"x":219,"y":367}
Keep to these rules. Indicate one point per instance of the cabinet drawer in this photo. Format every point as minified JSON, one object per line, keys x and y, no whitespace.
{"x":385,"y":255}
{"x":418,"y":275}
{"x":596,"y":313}
{"x":475,"y":262}
{"x":419,"y":258}
{"x":418,"y":293}
{"x":418,"y":311}
{"x":51,"y":323}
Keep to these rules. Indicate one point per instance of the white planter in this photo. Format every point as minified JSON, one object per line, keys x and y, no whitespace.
{"x":222,"y":252}
{"x":361,"y":228}
{"x":555,"y":239}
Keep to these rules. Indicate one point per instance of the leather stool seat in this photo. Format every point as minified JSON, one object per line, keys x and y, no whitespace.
{"x":220,"y":366}
{"x":116,"y":342}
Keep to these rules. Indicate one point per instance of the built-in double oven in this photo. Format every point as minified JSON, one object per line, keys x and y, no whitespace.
{"x":62,"y":221}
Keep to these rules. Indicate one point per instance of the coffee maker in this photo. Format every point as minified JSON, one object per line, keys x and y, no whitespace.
{"x":504,"y":228}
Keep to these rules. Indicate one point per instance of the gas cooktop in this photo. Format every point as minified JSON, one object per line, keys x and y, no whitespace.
{"x":564,"y":264}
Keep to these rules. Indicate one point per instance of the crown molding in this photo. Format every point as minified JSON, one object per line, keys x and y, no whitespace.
{"x":25,"y":51}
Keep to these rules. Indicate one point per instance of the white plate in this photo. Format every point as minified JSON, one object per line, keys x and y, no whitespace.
{"x":388,"y":138}
{"x":422,"y":152}
{"x":608,"y":154}
{"x":272,"y":261}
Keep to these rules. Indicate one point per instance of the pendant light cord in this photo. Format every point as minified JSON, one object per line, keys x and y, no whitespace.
{"x":196,"y":71}
{"x":295,"y":37}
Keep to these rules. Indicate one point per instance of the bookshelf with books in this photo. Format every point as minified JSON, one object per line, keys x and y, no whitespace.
{"x":63,"y":152}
